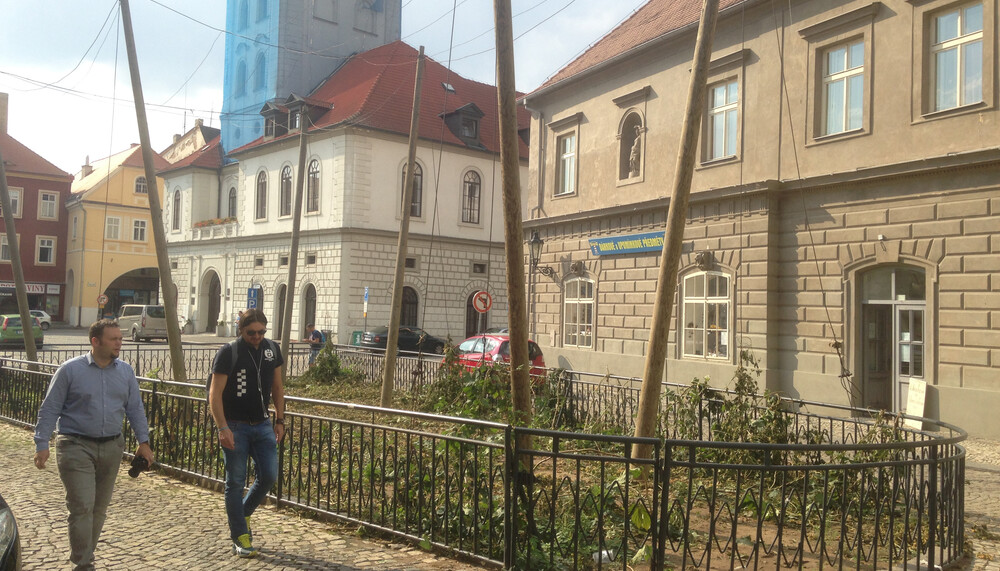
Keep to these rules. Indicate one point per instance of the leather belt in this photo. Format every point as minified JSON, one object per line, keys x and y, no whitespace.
{"x":97,"y":439}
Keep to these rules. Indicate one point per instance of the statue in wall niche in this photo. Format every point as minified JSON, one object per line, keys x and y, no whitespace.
{"x":633,"y":158}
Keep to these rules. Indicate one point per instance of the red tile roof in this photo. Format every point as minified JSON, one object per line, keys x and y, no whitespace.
{"x":374,"y":89}
{"x":653,"y":20}
{"x":208,"y":157}
{"x":21,"y":160}
{"x":130,"y":157}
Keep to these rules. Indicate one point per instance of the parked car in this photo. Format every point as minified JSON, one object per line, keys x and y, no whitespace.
{"x":410,"y":339}
{"x":44,"y":318}
{"x":143,"y":322}
{"x":495,"y":347}
{"x":10,"y":540}
{"x":11,"y":331}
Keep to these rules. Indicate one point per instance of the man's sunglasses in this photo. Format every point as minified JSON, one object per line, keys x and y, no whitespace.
{"x":256,"y":332}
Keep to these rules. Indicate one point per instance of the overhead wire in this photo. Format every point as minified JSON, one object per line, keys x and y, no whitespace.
{"x":104,"y":31}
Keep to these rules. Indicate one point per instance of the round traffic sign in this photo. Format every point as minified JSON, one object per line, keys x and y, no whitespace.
{"x":102,"y":299}
{"x":482,"y":301}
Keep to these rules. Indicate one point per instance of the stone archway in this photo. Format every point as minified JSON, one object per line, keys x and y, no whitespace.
{"x":210,"y":301}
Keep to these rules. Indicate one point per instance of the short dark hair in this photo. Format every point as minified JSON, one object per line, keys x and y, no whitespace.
{"x":97,"y":328}
{"x":308,"y":325}
{"x":252,"y":316}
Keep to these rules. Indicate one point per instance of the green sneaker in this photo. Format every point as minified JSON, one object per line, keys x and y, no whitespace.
{"x":243,"y":547}
{"x":249,"y":531}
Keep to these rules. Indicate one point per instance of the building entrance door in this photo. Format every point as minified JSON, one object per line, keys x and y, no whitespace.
{"x":892,"y":336}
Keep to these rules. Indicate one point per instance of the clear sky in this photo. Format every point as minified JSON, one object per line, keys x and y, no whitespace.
{"x":64,"y":66}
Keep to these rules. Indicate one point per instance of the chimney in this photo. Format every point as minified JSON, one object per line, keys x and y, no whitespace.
{"x":176,"y":138}
{"x":198,"y":123}
{"x":3,"y":113}
{"x":86,"y":169}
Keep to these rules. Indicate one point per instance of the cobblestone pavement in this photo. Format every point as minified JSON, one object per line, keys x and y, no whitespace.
{"x":155,"y":522}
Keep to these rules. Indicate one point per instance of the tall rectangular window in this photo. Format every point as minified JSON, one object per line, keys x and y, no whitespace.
{"x":112,"y":228}
{"x":706,"y":315}
{"x":312,"y":188}
{"x":957,"y":57}
{"x":4,"y":248}
{"x":566,"y":174}
{"x":579,"y":313}
{"x":723,"y":120}
{"x":48,"y":205}
{"x":139,"y":230}
{"x":843,"y":88}
{"x":45,"y":250}
{"x":15,"y":202}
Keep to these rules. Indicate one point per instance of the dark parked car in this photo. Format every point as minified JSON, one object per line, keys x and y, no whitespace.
{"x":410,"y":339}
{"x":10,"y":541}
{"x":495,"y":347}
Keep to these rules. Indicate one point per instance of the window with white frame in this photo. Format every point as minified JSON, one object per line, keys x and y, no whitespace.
{"x":723,"y":120}
{"x":140,"y":185}
{"x":5,"y":247}
{"x":112,"y":228}
{"x":843,"y":88}
{"x":706,"y":315}
{"x":232,"y":202}
{"x":15,"y":201}
{"x":416,"y":200}
{"x":260,"y":209}
{"x":956,"y":57}
{"x":578,"y":305}
{"x":45,"y":250}
{"x":471,"y":191}
{"x":566,"y":172}
{"x":48,"y":205}
{"x":139,"y":230}
{"x":285,"y":192}
{"x":312,"y":188}
{"x":175,"y":219}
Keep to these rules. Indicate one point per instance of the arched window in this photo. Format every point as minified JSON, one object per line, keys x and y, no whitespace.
{"x":408,"y":313}
{"x":309,"y":307}
{"x":705,"y":316}
{"x":259,"y":75}
{"x":261,"y":10}
{"x":475,"y":322}
{"x":140,"y":185}
{"x":175,"y":220}
{"x":471,"y":192}
{"x":630,"y":147}
{"x":279,"y":311}
{"x":240,"y":81}
{"x":312,"y":191}
{"x":232,"y":202}
{"x":260,"y":211}
{"x":418,"y":189}
{"x":286,"y":192}
{"x":243,"y":12}
{"x":578,"y":302}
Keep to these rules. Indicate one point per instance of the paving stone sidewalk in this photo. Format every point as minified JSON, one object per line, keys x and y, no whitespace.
{"x":155,"y":522}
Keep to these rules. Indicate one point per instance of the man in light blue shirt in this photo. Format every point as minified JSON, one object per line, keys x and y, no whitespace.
{"x":87,"y":400}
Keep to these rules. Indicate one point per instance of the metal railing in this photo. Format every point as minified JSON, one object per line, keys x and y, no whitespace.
{"x":844,"y":492}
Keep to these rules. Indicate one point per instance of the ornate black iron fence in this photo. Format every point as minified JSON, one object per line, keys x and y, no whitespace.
{"x":842,"y":492}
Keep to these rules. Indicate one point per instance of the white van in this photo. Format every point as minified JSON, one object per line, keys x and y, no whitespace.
{"x":143,"y":322}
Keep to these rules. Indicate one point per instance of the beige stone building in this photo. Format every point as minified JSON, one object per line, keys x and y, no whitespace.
{"x":844,"y":222}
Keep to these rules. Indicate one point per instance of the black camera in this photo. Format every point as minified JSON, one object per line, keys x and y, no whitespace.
{"x":139,"y":464}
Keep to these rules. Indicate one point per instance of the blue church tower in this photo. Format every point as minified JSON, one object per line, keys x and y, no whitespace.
{"x":278,"y":47}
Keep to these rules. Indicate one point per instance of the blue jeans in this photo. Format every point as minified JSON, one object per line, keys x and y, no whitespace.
{"x":255,"y":441}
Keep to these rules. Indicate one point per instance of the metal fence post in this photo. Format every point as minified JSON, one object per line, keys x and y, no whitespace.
{"x":509,"y":498}
{"x":932,"y":507}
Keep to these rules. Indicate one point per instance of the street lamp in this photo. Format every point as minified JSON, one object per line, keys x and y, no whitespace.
{"x":535,"y":253}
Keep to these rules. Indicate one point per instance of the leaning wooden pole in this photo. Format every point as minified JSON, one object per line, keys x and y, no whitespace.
{"x":155,"y":211}
{"x":510,"y":164}
{"x":666,"y":285}
{"x":293,"y":254}
{"x":392,"y":343}
{"x":20,"y":290}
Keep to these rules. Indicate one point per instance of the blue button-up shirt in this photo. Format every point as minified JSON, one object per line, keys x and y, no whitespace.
{"x":84,"y":398}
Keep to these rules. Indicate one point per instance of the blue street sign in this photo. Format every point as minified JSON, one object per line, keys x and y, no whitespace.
{"x":252,"y":298}
{"x":366,"y":294}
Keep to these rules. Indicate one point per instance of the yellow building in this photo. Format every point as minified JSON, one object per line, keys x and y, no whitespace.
{"x":110,"y":251}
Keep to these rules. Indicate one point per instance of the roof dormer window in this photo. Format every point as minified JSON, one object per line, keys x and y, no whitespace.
{"x":448,"y":87}
{"x":269,"y":127}
{"x":470,"y":127}
{"x":293,"y":120}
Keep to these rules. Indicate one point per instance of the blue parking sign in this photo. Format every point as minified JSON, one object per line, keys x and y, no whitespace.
{"x":252,"y":298}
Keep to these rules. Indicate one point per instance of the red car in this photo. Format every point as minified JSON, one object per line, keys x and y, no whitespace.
{"x":495,"y":347}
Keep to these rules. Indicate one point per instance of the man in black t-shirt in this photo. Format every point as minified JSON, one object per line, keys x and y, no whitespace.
{"x":239,"y":404}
